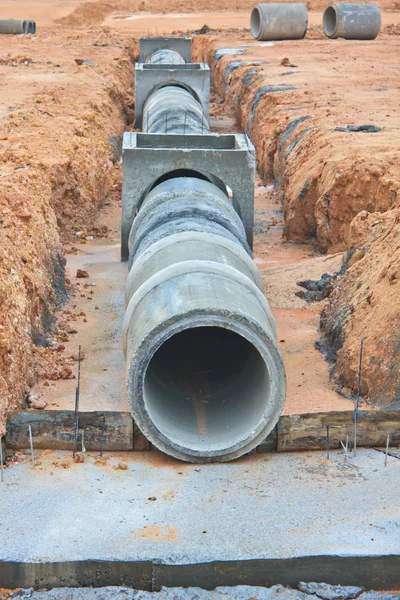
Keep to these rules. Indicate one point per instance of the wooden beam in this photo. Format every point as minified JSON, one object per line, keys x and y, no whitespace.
{"x":54,"y":430}
{"x":308,"y":431}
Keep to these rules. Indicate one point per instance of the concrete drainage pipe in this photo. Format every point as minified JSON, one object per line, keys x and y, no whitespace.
{"x":279,"y":21}
{"x":173,"y":109}
{"x":166,"y":56}
{"x":206,"y":380}
{"x":15,"y":26}
{"x":352,"y":21}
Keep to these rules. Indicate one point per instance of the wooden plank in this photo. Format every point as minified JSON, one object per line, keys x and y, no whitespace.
{"x":308,"y":431}
{"x":54,"y":430}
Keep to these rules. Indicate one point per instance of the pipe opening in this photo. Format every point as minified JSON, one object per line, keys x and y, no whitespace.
{"x":329,"y":21}
{"x":255,"y":22}
{"x":206,"y":388}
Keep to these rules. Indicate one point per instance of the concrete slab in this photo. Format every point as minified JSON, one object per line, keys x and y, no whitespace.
{"x":241,"y":592}
{"x":261,"y":520}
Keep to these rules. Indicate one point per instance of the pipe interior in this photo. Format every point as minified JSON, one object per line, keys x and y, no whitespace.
{"x":329,"y":20}
{"x":206,"y":388}
{"x":255,"y":22}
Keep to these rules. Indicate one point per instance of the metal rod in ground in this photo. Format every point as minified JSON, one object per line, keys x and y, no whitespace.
{"x":31,"y":444}
{"x":327,"y":441}
{"x":77,"y":396}
{"x":103,"y":428}
{"x":357,"y":400}
{"x":1,"y":459}
{"x":387,"y":449}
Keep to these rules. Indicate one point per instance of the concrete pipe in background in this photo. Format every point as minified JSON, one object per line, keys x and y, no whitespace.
{"x":173,"y":109}
{"x":206,"y":381}
{"x":166,"y":56}
{"x":32,"y":27}
{"x":16,"y":26}
{"x":278,"y":21}
{"x":352,"y":21}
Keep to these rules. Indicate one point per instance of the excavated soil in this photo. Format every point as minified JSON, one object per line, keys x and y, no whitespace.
{"x":340,"y":189}
{"x":60,"y":124}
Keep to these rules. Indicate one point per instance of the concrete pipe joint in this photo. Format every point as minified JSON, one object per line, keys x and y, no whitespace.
{"x":16,"y":27}
{"x":173,"y":109}
{"x":352,"y":21}
{"x":279,"y":21}
{"x":166,"y":56}
{"x":206,"y":380}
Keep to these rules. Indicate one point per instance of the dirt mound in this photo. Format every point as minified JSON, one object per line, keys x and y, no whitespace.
{"x":365,"y":304}
{"x":317,"y":139}
{"x":339,"y":187}
{"x":92,"y":13}
{"x":55,"y":153}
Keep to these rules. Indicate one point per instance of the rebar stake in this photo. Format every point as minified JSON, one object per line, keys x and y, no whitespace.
{"x":357,"y":399}
{"x":387,"y":449}
{"x":1,"y":460}
{"x":31,"y":444}
{"x":77,"y":396}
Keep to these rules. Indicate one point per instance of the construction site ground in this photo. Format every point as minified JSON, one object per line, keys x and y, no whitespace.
{"x":144,"y":520}
{"x":55,"y":118}
{"x":60,"y":194}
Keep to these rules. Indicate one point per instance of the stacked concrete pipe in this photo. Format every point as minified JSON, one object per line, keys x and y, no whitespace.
{"x":16,"y":26}
{"x":352,"y":21}
{"x":278,"y":21}
{"x":206,"y":381}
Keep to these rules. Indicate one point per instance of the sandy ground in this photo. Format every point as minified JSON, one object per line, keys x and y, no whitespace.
{"x":44,"y":12}
{"x":164,"y":24}
{"x":326,"y":89}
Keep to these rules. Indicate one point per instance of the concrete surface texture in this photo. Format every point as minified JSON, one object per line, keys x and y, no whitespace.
{"x":206,"y":380}
{"x":352,"y":21}
{"x":242,"y":592}
{"x":227,"y":158}
{"x":150,"y":77}
{"x":165,"y":57}
{"x":16,"y":26}
{"x":172,"y":109}
{"x":277,"y":21}
{"x":148,"y":46}
{"x":159,"y":509}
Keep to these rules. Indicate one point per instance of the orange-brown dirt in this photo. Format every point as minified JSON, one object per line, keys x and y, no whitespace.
{"x":56,"y":171}
{"x":339,"y":190}
{"x":90,"y":13}
{"x":56,"y":121}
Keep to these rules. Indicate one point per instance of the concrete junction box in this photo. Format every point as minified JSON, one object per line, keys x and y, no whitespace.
{"x":193,"y":77}
{"x":149,"y":45}
{"x":147,"y":157}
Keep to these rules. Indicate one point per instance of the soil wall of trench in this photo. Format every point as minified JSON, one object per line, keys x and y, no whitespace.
{"x":56,"y":163}
{"x":336,"y":201}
